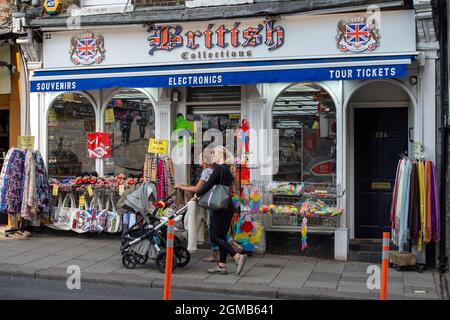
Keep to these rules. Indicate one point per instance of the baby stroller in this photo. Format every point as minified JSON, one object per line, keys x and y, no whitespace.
{"x":147,"y":237}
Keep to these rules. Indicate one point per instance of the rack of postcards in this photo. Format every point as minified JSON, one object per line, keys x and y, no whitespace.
{"x":286,"y":204}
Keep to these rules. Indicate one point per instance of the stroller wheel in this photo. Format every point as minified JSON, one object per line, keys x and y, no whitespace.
{"x":142,"y":259}
{"x":183,"y":256}
{"x":161,"y":262}
{"x":129,"y":261}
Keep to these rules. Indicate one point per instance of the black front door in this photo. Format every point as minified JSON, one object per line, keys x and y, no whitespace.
{"x":381,"y":135}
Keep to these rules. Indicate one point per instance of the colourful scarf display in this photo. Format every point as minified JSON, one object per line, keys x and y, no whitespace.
{"x":415,"y":212}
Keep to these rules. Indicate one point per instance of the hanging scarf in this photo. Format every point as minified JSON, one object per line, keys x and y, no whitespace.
{"x":428,"y":202}
{"x":405,"y":204}
{"x":436,"y":217}
{"x":42,"y":184}
{"x":421,"y":203}
{"x":29,"y":198}
{"x":414,"y":206}
{"x":399,"y":202}
{"x":394,"y":195}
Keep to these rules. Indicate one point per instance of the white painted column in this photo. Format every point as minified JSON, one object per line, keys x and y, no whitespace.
{"x":257,"y":112}
{"x":427,"y":104}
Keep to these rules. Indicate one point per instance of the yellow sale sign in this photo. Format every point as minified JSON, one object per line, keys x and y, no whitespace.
{"x":158,"y":146}
{"x":26,"y":142}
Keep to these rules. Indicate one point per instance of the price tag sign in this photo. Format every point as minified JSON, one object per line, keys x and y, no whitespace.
{"x":158,"y":146}
{"x":25,"y":142}
{"x":109,"y":116}
{"x":234,"y":116}
{"x":55,"y":190}
{"x":52,"y":117}
{"x":121,"y":189}
{"x":82,"y":201}
{"x":90,"y":191}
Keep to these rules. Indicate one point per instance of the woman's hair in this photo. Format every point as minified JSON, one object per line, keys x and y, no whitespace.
{"x":228,"y":158}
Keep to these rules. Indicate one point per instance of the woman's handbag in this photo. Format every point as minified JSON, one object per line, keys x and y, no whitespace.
{"x":63,"y":213}
{"x":216,"y":198}
{"x":113,"y":220}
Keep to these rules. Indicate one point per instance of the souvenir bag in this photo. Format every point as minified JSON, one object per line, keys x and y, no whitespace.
{"x":96,"y":220}
{"x":113,"y":222}
{"x":80,"y":220}
{"x":216,"y":198}
{"x":62,"y":214}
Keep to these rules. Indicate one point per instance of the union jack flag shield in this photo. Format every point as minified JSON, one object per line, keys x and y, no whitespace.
{"x":87,"y":49}
{"x":357,"y":35}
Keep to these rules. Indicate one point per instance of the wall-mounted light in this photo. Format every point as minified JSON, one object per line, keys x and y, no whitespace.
{"x":413,"y":80}
{"x":175,"y":96}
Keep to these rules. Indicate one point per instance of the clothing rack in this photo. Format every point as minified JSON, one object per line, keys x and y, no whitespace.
{"x":415,"y":207}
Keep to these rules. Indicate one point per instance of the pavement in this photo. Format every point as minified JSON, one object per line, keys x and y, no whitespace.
{"x":45,"y":256}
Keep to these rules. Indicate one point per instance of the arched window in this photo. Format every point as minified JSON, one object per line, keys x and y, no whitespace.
{"x":70,"y":118}
{"x":305,"y":116}
{"x":130,"y":119}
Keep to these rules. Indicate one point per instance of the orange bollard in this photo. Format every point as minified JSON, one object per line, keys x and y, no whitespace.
{"x":169,"y":259}
{"x":385,"y":266}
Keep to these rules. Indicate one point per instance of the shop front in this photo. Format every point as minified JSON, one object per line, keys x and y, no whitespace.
{"x":345,"y":93}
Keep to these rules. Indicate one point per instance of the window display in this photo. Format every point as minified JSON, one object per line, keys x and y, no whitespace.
{"x":305,"y":116}
{"x":130,"y":120}
{"x":70,"y":118}
{"x":305,"y":185}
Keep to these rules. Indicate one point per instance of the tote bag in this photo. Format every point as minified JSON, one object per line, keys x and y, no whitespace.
{"x":113,"y":222}
{"x":96,"y":216}
{"x":62,"y":214}
{"x":217,"y":197}
{"x":80,"y":221}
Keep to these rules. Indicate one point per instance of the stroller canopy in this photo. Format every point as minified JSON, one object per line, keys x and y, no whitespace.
{"x":138,"y":199}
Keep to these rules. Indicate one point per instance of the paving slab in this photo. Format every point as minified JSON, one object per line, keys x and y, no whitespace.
{"x":329,"y":267}
{"x":321,"y":284}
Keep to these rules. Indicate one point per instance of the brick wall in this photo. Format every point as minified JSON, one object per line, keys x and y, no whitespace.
{"x":5,"y":13}
{"x":68,"y":3}
{"x":157,"y":3}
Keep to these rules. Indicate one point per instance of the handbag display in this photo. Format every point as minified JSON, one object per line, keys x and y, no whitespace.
{"x":113,"y":222}
{"x":62,"y":214}
{"x":216,"y":198}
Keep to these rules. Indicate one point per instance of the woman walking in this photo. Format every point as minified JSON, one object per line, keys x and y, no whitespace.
{"x":221,"y":219}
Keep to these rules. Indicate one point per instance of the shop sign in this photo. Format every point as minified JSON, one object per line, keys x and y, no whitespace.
{"x":170,"y":37}
{"x":52,"y":6}
{"x":357,"y":35}
{"x":158,"y":146}
{"x":251,"y":39}
{"x":324,"y":168}
{"x":26,"y":142}
{"x":87,"y":49}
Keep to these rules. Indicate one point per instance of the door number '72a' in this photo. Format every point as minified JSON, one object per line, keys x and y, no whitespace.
{"x":380,"y":135}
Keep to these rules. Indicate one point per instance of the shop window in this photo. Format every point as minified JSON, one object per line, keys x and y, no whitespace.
{"x":70,"y":118}
{"x":130,"y":119}
{"x":305,"y":116}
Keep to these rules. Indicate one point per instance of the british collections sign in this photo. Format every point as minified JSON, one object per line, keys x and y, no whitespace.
{"x":199,"y":45}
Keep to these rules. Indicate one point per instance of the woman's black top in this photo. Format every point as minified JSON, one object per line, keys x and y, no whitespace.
{"x":220,"y":171}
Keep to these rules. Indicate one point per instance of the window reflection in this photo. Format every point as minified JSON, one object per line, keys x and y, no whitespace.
{"x":70,"y":118}
{"x":130,"y":119}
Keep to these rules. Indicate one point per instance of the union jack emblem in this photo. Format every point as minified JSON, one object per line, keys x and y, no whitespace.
{"x":87,"y":49}
{"x":357,"y":35}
